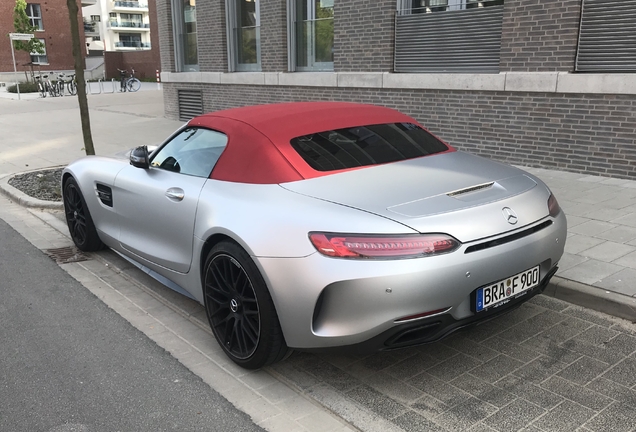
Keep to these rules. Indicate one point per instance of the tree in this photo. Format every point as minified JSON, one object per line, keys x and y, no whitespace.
{"x":22,"y":24}
{"x":73,"y":10}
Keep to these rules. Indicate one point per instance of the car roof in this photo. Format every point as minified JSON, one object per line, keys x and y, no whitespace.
{"x":259,"y":137}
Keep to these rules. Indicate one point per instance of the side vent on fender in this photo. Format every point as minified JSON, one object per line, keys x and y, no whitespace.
{"x":105,"y":195}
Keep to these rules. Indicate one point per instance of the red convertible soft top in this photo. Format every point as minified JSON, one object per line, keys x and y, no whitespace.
{"x":259,"y":148}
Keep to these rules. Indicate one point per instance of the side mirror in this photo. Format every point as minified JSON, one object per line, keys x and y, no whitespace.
{"x":139,"y":157}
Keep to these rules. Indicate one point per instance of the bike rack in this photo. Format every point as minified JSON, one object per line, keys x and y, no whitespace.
{"x":104,"y":90}
{"x":89,"y":89}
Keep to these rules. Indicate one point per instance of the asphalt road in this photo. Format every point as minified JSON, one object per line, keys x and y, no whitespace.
{"x":68,"y":363}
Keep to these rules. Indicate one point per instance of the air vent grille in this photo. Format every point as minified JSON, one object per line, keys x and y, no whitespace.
{"x":190,"y":104}
{"x":470,"y":189}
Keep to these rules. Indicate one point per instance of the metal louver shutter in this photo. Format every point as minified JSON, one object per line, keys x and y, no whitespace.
{"x":607,"y":40}
{"x":190,"y":104}
{"x":455,"y":41}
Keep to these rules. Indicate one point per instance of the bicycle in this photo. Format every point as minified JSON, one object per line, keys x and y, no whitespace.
{"x":128,"y":82}
{"x":59,"y":84}
{"x":41,"y":86}
{"x":71,"y":84}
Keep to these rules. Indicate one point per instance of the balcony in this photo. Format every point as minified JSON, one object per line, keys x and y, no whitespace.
{"x":128,"y":25}
{"x":91,"y":28}
{"x":132,"y":45}
{"x":130,"y":5}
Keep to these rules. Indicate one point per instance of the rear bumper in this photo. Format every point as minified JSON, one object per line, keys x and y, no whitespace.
{"x":327,"y":302}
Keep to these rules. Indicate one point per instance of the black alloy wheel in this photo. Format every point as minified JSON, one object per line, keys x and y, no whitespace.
{"x":240,"y":309}
{"x":233,"y":307}
{"x":78,"y":218}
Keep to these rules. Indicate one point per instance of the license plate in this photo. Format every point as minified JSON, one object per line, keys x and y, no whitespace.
{"x":506,"y":289}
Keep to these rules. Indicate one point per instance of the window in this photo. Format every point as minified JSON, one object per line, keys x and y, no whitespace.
{"x":113,"y":15}
{"x":37,"y":58}
{"x":427,"y":6}
{"x":192,"y":152}
{"x":311,"y":30}
{"x":366,"y":145}
{"x":96,"y":18}
{"x":185,"y":35}
{"x":448,"y":36}
{"x":34,"y":13}
{"x":243,"y":22}
{"x":129,"y":40}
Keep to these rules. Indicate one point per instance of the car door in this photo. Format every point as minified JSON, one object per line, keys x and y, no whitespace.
{"x":157,"y":206}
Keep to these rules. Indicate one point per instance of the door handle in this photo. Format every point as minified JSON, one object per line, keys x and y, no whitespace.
{"x":175,"y":194}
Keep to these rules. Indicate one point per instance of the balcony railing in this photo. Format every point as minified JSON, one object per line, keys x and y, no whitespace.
{"x":132,"y":44}
{"x":131,"y":4}
{"x":128,"y":24}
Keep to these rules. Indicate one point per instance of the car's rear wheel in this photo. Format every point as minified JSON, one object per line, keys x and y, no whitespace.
{"x":240,"y":309}
{"x":78,"y":218}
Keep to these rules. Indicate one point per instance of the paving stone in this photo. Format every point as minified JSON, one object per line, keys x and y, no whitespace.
{"x":453,"y":367}
{"x":568,"y":416}
{"x":608,"y":251}
{"x":592,"y":227}
{"x":629,"y":220}
{"x":591,"y":271}
{"x":604,"y":214}
{"x":540,"y":369}
{"x":578,"y":394}
{"x":623,"y":282}
{"x":568,"y":261}
{"x":331,"y":375}
{"x":395,"y":389}
{"x":531,"y":326}
{"x":511,"y":349}
{"x":483,"y":390}
{"x":429,"y":406}
{"x":530,"y":392}
{"x":412,"y":366}
{"x":623,"y":372}
{"x":628,"y":260}
{"x":577,"y":220}
{"x":616,"y":418}
{"x":465,"y":415}
{"x":412,"y":421}
{"x":377,"y":402}
{"x":481,"y":427}
{"x":549,"y":302}
{"x":614,"y":391}
{"x":620,"y":234}
{"x":465,"y":345}
{"x":589,"y":315}
{"x":584,"y":370}
{"x":514,"y":416}
{"x":439,"y":389}
{"x":496,"y":368}
{"x":577,"y":243}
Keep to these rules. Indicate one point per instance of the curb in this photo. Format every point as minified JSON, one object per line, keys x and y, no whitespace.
{"x":591,"y":297}
{"x":23,"y":199}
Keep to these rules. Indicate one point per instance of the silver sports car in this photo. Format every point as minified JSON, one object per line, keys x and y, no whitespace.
{"x":318,"y":226}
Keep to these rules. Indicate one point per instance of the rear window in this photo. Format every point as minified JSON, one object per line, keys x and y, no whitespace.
{"x":366,"y":145}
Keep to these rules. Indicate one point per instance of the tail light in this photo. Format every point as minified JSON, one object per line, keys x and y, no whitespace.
{"x":553,"y":206}
{"x":382,"y":246}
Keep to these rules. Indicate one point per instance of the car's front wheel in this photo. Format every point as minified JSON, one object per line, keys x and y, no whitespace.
{"x":79,"y":220}
{"x":240,"y":309}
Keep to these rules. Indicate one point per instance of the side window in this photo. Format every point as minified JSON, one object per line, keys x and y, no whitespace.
{"x":193,"y":152}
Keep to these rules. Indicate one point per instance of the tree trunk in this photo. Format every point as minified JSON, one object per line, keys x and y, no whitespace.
{"x":79,"y":77}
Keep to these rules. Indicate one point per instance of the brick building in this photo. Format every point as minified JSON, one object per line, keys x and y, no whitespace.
{"x":51,"y":17}
{"x":530,"y":82}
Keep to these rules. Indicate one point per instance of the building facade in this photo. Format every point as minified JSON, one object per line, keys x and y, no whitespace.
{"x":118,"y":25}
{"x":53,"y":29}
{"x":529,"y":82}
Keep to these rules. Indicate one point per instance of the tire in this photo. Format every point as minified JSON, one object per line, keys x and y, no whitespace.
{"x":42,"y":90}
{"x":240,"y":309}
{"x":72,"y":88}
{"x":133,"y":84}
{"x":78,"y":218}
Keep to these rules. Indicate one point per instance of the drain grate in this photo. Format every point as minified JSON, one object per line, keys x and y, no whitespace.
{"x":65,"y":255}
